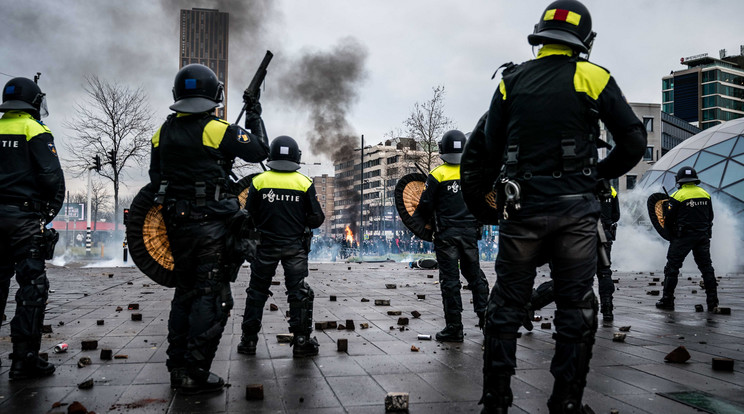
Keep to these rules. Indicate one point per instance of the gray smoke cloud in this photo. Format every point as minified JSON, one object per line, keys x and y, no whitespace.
{"x":326,"y":84}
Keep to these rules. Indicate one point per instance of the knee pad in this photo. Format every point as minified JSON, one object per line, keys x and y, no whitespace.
{"x":302,"y":293}
{"x":256,"y":298}
{"x":259,"y":285}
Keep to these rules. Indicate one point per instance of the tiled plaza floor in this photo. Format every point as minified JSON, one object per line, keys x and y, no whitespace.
{"x":440,"y":378}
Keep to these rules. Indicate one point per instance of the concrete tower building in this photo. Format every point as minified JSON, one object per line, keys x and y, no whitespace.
{"x":204,"y":39}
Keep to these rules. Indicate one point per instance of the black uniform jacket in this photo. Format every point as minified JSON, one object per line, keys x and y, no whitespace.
{"x":547,"y":110}
{"x":29,"y":164}
{"x":689,"y":210}
{"x":442,"y":197}
{"x":282,"y":205}
{"x":190,"y":149}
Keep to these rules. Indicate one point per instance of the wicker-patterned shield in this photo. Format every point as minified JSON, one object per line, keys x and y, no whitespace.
{"x":656,"y":203}
{"x":241,"y":188}
{"x":407,"y":195}
{"x":148,"y":240}
{"x":477,"y":175}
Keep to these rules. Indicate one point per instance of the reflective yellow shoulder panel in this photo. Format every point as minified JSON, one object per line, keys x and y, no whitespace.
{"x":282,"y":180}
{"x":446,"y":172}
{"x":689,"y":191}
{"x":17,"y":123}
{"x":213,"y":133}
{"x":156,"y":138}
{"x":614,"y":192}
{"x":502,"y":89}
{"x":590,"y":79}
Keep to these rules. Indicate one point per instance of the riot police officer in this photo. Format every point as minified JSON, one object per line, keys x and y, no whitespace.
{"x":689,"y":216}
{"x":32,"y":189}
{"x":455,"y":239}
{"x":192,"y":156}
{"x":541,"y":131}
{"x":284,"y":207}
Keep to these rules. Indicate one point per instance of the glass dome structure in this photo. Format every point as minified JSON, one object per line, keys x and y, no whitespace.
{"x":717,"y":154}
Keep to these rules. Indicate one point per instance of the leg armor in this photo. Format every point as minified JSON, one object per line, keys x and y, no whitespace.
{"x":573,"y":351}
{"x":31,"y":298}
{"x":300,"y":299}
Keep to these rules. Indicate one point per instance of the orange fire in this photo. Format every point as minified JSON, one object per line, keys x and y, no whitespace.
{"x":349,"y":235}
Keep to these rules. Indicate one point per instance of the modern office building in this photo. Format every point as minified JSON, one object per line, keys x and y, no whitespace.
{"x":710,"y":91}
{"x":664,"y":133}
{"x":324,"y":187}
{"x":204,"y":39}
{"x":384,"y":164}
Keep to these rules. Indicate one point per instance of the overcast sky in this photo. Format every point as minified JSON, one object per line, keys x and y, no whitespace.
{"x":402,"y":48}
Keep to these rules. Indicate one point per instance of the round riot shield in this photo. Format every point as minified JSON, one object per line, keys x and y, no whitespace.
{"x":148,"y":240}
{"x":656,"y":203}
{"x":407,"y":195}
{"x":241,"y":188}
{"x":477,"y":176}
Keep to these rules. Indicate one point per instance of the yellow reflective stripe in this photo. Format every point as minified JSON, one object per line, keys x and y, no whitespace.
{"x":213,"y":133}
{"x":282,"y":180}
{"x":614,"y":192}
{"x":689,"y":191}
{"x":554,"y":49}
{"x":572,"y":17}
{"x":446,"y":172}
{"x":156,"y":138}
{"x":590,"y":79}
{"x":16,"y":123}
{"x":502,"y":89}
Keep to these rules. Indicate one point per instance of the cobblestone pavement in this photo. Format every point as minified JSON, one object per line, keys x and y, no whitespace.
{"x":440,"y":378}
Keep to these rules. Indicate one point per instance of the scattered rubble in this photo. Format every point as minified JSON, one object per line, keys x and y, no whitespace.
{"x":254,"y":392}
{"x":350,"y":324}
{"x":121,"y":356}
{"x":284,"y":338}
{"x":394,"y":313}
{"x":364,"y":325}
{"x":342,"y":345}
{"x":545,"y":325}
{"x":618,"y":337}
{"x":276,"y":282}
{"x":722,"y":311}
{"x":653,"y":292}
{"x":46,"y":329}
{"x":396,"y":401}
{"x":333,"y":298}
{"x":402,"y":321}
{"x":723,"y":364}
{"x":85,"y":385}
{"x":678,"y":355}
{"x":100,"y":322}
{"x":625,"y":328}
{"x":382,"y":302}
{"x":416,"y":314}
{"x":698,"y":308}
{"x":84,"y":361}
{"x":89,"y":345}
{"x":414,"y":348}
{"x":106,"y":354}
{"x":77,"y":408}
{"x":391,"y":286}
{"x":365,"y":300}
{"x":423,"y":337}
{"x":137,"y":317}
{"x":133,"y":306}
{"x":273,"y":307}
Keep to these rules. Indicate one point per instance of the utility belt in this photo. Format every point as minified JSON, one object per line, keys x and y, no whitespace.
{"x":24,"y":203}
{"x":202,"y":191}
{"x":42,"y":245}
{"x":509,"y":194}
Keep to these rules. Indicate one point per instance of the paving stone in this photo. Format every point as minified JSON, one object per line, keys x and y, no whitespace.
{"x":396,"y":401}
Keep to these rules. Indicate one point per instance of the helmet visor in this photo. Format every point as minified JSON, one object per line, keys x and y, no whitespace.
{"x":43,"y":110}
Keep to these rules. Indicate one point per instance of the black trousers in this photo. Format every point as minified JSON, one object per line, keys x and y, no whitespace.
{"x":202,"y":300}
{"x":20,"y":256}
{"x":604,"y":276}
{"x":570,"y":244}
{"x":293,"y":257}
{"x":458,"y":248}
{"x":699,"y":244}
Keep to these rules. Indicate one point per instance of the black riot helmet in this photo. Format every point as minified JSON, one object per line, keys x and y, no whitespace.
{"x":687,"y":175}
{"x":451,"y":145}
{"x":25,"y":95}
{"x":196,"y":89}
{"x":566,"y":22}
{"x":284,"y":154}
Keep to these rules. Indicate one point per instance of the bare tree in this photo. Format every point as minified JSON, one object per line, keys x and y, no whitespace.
{"x":426,"y":124}
{"x":115,"y":122}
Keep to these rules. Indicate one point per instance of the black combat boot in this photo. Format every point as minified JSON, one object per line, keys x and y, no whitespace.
{"x":453,"y":331}
{"x":497,"y":394}
{"x":606,"y":309}
{"x":666,"y":303}
{"x":176,"y":376}
{"x":199,"y":381}
{"x":304,"y":346}
{"x":247,"y":345}
{"x":27,"y":364}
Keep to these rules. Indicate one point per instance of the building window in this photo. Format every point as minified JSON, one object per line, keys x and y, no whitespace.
{"x":648,"y":123}
{"x":649,"y":155}
{"x":630,"y":181}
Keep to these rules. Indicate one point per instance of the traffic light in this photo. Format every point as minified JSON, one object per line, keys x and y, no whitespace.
{"x":97,"y":163}
{"x":126,"y":216}
{"x":111,"y":157}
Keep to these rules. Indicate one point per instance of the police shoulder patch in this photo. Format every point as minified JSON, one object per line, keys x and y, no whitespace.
{"x":243,"y":136}
{"x":52,"y":149}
